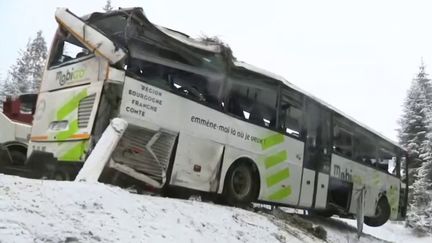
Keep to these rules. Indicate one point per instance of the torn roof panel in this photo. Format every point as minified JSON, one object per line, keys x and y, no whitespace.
{"x":207,"y":46}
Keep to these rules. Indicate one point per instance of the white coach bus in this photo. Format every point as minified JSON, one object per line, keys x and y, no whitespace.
{"x":199,"y":119}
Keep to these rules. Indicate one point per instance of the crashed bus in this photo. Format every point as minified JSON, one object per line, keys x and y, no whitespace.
{"x":199,"y":119}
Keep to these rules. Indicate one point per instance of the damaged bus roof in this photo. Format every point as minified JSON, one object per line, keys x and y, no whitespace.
{"x":209,"y":46}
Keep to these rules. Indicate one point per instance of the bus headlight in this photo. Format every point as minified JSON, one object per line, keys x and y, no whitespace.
{"x":58,"y":125}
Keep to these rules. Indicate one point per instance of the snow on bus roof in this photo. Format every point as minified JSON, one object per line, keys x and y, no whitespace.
{"x":289,"y":84}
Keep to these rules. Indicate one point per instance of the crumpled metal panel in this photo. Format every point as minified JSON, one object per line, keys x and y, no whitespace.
{"x":146,"y":151}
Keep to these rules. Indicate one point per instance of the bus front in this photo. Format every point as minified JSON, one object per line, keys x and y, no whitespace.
{"x":80,"y":64}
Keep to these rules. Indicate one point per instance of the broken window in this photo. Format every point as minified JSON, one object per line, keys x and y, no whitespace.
{"x":253,"y":98}
{"x":190,"y":85}
{"x":342,"y":138}
{"x":66,"y":48}
{"x":291,"y":112}
{"x":387,"y":161}
{"x":317,"y":135}
{"x":364,"y":147}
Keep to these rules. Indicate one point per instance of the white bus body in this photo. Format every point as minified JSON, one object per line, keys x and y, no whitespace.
{"x":196,"y":143}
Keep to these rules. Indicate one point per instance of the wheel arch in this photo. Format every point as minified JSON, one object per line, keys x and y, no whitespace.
{"x":250,"y":162}
{"x":381,"y":218}
{"x":16,"y":145}
{"x":15,"y":153}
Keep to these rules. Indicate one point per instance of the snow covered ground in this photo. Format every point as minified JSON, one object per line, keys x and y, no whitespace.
{"x":344,"y":230}
{"x":394,"y":232}
{"x":53,"y":211}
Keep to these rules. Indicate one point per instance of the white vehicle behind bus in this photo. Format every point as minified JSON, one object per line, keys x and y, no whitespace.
{"x":15,"y":125}
{"x":200,"y":120}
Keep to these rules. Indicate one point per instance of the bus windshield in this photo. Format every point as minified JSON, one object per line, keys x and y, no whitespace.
{"x":66,"y":48}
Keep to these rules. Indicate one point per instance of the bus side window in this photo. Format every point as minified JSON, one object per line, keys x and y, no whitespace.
{"x":317,"y":126}
{"x":342,"y":141}
{"x":387,"y":161}
{"x":190,"y":85}
{"x":364,"y":147}
{"x":253,"y":100}
{"x":400,"y":166}
{"x":291,"y":112}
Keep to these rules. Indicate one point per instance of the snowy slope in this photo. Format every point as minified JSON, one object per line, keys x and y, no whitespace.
{"x":394,"y":232}
{"x":52,"y":211}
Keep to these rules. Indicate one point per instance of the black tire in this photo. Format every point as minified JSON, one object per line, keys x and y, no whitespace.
{"x":17,"y":157}
{"x":382,"y":214}
{"x":241,"y":185}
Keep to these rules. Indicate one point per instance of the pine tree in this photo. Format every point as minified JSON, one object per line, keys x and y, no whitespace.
{"x":108,"y":6}
{"x":19,"y":73}
{"x":38,"y":56}
{"x":415,"y":135}
{"x":8,"y":88}
{"x":414,"y":121}
{"x":25,"y":75}
{"x":420,"y":214}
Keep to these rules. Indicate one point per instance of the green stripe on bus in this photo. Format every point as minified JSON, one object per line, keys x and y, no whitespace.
{"x":278,"y":177}
{"x":75,"y":153}
{"x":73,"y":128}
{"x":71,"y":105}
{"x":271,"y":141}
{"x":275,"y":159}
{"x":376,"y":179}
{"x":280,"y":194}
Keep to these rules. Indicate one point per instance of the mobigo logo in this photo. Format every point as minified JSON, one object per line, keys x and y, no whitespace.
{"x":62,"y":77}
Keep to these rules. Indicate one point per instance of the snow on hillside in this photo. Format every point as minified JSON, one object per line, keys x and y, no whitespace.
{"x":53,"y":211}
{"x":393,"y":231}
{"x":344,"y":230}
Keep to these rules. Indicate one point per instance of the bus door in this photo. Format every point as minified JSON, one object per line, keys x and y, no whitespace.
{"x":316,"y":165}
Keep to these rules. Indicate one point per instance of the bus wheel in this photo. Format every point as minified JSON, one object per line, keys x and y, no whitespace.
{"x":382,"y":214}
{"x":241,"y":187}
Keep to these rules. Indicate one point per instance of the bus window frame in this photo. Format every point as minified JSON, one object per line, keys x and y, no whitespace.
{"x":342,"y":124}
{"x":377,"y":141}
{"x":58,"y":39}
{"x":222,"y":84}
{"x":227,"y":92}
{"x":302,"y":132}
{"x":323,"y":161}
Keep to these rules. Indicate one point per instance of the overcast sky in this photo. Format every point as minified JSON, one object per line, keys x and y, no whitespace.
{"x":359,"y":56}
